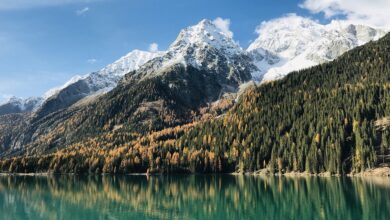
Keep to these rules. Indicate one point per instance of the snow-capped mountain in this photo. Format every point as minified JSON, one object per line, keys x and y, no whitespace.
{"x":293,"y":43}
{"x":199,"y":67}
{"x":284,"y":45}
{"x":79,"y":87}
{"x":19,"y":105}
{"x":94,"y":83}
{"x":170,"y":88}
{"x":205,"y":47}
{"x":108,"y":77}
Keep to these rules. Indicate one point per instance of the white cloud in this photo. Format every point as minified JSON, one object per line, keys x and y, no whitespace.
{"x":289,"y":20}
{"x":92,"y":61}
{"x":26,"y":4}
{"x":375,"y":13}
{"x":223,"y":25}
{"x":153,"y":47}
{"x":82,"y":11}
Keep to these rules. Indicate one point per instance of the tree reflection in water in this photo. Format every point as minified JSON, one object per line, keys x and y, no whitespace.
{"x":193,"y":197}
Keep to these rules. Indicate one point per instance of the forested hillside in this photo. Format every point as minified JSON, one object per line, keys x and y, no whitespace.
{"x":332,"y":117}
{"x":174,"y":98}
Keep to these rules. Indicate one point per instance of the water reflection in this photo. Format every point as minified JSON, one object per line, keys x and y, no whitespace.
{"x":193,"y":197}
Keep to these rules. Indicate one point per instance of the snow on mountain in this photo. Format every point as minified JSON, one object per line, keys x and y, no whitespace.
{"x":296,"y":43}
{"x":203,"y":46}
{"x":206,"y":47}
{"x":109,"y":76}
{"x":205,"y":34}
{"x":19,"y":105}
{"x":94,"y":83}
{"x":284,"y":45}
{"x":263,"y":60}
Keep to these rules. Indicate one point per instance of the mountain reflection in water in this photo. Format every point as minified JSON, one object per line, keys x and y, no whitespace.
{"x":193,"y":197}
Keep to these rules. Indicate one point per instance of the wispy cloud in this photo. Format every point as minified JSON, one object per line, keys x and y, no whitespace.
{"x":153,"y":47}
{"x":224,"y":26}
{"x":82,"y":11}
{"x":92,"y":61}
{"x":26,"y":4}
{"x":369,"y":12}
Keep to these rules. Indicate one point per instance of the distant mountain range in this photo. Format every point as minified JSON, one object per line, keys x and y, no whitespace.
{"x":284,"y":45}
{"x":155,"y":111}
{"x":18,"y":105}
{"x":94,"y":83}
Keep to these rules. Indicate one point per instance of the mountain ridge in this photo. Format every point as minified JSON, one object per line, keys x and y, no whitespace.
{"x":330,"y":115}
{"x":201,"y":67}
{"x":300,"y":43}
{"x":184,"y":87}
{"x":270,"y":57}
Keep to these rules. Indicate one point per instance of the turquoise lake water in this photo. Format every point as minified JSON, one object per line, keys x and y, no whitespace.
{"x":193,"y":197}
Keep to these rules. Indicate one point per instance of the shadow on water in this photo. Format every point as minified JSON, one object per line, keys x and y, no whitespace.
{"x":193,"y":197}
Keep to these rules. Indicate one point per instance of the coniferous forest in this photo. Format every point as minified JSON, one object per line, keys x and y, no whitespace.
{"x":330,"y":118}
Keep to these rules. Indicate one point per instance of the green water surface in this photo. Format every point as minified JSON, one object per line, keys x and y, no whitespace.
{"x":193,"y":197}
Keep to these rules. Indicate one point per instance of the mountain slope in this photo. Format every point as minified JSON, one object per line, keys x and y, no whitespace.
{"x":10,"y":126}
{"x":194,"y":46}
{"x":317,"y":120}
{"x":200,"y":67}
{"x":300,"y":43}
{"x":94,"y":83}
{"x":323,"y":119}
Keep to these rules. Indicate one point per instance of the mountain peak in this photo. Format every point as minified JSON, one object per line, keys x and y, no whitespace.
{"x":206,"y":22}
{"x":203,"y":34}
{"x":131,"y":61}
{"x":205,"y":47}
{"x":300,"y":42}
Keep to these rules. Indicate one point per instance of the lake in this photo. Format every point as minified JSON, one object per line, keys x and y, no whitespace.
{"x":193,"y":197}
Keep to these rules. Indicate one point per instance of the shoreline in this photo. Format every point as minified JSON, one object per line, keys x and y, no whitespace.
{"x":376,"y":172}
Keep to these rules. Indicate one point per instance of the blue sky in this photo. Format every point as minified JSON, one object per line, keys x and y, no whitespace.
{"x":43,"y":43}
